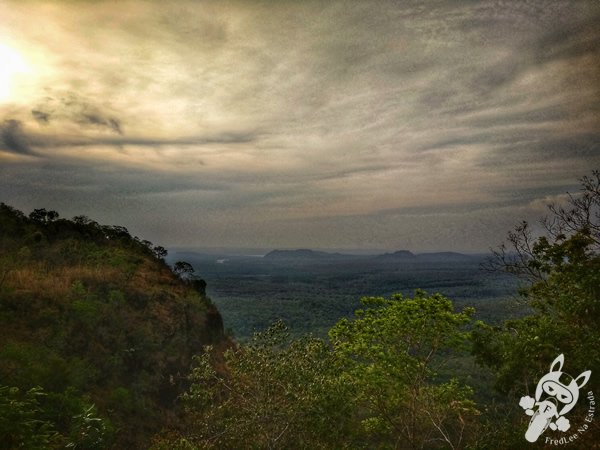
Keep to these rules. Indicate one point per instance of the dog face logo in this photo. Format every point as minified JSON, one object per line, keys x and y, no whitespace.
{"x":555,"y":395}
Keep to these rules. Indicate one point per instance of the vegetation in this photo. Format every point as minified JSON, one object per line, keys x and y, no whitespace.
{"x":562,"y":267}
{"x":96,"y":333}
{"x":97,"y":336}
{"x":379,"y":381}
{"x":311,"y":296}
{"x":373,"y":387}
{"x":389,"y":352}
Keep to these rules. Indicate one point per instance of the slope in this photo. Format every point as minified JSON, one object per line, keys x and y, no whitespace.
{"x":95,"y":316}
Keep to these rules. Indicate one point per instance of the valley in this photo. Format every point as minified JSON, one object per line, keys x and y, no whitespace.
{"x":311,"y":290}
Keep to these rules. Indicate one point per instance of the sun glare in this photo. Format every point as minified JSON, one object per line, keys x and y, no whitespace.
{"x":12,"y":65}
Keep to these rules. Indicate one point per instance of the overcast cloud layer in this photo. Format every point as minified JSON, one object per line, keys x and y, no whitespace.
{"x":357,"y":124}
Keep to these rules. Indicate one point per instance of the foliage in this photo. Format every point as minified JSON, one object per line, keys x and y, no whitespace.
{"x":563,"y":270}
{"x":372,"y":387}
{"x":90,"y":432}
{"x":27,"y":420}
{"x":183,"y":269}
{"x":272,"y":393}
{"x":41,"y":215}
{"x":21,"y":422}
{"x":160,"y":252}
{"x":389,"y":352}
{"x":311,"y":297}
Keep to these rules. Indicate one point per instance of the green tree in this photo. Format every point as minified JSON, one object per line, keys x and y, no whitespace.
{"x":390,"y":354}
{"x":183,"y":269}
{"x":561,"y":268}
{"x":28,"y":419}
{"x":271,"y":393}
{"x":43,"y":216}
{"x":90,"y":432}
{"x":160,"y":252}
{"x":373,"y":386}
{"x":21,"y":422}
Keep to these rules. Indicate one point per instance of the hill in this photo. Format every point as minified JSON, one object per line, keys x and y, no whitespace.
{"x":303,"y":255}
{"x":446,"y":257}
{"x":400,"y":255}
{"x":95,"y":316}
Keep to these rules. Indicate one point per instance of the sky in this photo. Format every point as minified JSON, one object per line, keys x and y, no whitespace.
{"x":425,"y":125}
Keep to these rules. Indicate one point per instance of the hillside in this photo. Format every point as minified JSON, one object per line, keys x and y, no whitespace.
{"x":96,"y":317}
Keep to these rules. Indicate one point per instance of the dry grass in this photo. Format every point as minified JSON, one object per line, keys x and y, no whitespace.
{"x":43,"y":281}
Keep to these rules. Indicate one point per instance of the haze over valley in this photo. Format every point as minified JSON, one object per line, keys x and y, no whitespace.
{"x":310,"y":290}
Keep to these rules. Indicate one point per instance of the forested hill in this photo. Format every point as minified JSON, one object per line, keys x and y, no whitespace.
{"x":305,"y":255}
{"x":92,"y":316}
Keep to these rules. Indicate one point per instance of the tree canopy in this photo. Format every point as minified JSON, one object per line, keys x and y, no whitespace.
{"x":562,"y":269}
{"x":372,"y":386}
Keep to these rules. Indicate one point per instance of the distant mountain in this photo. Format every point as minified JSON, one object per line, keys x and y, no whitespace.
{"x":306,"y":255}
{"x":302,"y":255}
{"x":444,"y":257}
{"x":400,"y":255}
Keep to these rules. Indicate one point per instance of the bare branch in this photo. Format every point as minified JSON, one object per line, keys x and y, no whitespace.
{"x":581,"y":215}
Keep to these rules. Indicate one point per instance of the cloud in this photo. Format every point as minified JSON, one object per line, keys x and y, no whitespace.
{"x":40,"y":116}
{"x":15,"y":138}
{"x":542,"y":204}
{"x":12,"y":138}
{"x":87,"y":118}
{"x":68,"y":107}
{"x":573,"y":39}
{"x":324,"y":114}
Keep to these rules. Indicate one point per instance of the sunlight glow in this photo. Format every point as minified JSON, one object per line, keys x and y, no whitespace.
{"x":12,"y":65}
